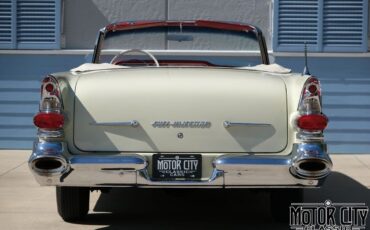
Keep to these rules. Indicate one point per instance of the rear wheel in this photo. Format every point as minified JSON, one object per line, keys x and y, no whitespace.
{"x":72,"y":202}
{"x":281,"y":199}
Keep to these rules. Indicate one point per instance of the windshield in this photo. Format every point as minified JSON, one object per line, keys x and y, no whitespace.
{"x":182,"y":45}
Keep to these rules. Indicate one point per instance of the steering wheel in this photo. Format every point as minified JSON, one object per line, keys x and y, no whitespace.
{"x":114,"y":59}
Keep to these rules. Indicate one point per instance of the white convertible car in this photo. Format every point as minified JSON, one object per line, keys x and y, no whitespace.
{"x":136,"y":118}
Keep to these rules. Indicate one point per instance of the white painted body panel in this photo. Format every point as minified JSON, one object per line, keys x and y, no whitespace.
{"x":182,"y":94}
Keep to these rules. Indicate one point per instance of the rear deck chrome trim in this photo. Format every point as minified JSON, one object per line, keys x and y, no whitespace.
{"x":132,"y":123}
{"x":228,"y":124}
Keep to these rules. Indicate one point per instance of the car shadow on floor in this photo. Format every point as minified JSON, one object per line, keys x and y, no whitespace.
{"x":131,"y":208}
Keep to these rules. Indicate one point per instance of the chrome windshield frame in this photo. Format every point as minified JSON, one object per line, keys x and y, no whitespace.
{"x":129,"y":26}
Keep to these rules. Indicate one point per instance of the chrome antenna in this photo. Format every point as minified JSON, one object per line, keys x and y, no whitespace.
{"x":305,"y":70}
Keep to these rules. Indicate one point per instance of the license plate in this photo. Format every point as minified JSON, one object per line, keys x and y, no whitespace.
{"x":177,"y":166}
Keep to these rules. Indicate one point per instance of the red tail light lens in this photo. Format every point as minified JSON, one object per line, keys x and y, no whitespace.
{"x":49,"y":120}
{"x":312,"y":88}
{"x":312,"y":122}
{"x":49,"y":87}
{"x":51,"y":100}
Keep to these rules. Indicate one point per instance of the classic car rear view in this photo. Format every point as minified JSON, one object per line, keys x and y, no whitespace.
{"x":167,"y":123}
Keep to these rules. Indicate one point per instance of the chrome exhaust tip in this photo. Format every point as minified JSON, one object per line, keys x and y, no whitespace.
{"x":311,"y":162}
{"x":47,"y":159}
{"x":311,"y":168}
{"x":50,"y":165}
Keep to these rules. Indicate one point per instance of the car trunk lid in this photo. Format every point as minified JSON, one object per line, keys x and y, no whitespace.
{"x":180,"y":110}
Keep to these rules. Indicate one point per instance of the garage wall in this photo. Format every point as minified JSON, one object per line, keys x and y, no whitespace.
{"x":20,"y":94}
{"x":345,"y":79}
{"x":345,"y":84}
{"x":75,"y":20}
{"x":346,"y":99}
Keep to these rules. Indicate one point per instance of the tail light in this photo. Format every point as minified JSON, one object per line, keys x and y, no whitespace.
{"x":50,"y":119}
{"x":311,"y":120}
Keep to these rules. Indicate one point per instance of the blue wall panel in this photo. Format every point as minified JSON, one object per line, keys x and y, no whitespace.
{"x":20,"y":78}
{"x":345,"y":81}
{"x":346,"y":88}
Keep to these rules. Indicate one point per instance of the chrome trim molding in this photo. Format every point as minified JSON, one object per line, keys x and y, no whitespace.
{"x":128,"y":162}
{"x":310,"y":137}
{"x":228,"y":171}
{"x":228,"y":124}
{"x":48,"y":134}
{"x":132,"y":123}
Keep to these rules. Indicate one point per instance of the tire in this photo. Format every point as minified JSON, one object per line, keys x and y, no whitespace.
{"x":72,"y":202}
{"x":280,"y":201}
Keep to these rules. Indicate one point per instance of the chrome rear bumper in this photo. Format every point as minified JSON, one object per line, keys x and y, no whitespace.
{"x":51,"y":165}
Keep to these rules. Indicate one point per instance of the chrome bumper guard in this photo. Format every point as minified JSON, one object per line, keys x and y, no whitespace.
{"x":307,"y":165}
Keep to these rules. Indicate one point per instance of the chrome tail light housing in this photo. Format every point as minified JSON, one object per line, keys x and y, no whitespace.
{"x":311,"y":121}
{"x":50,"y":118}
